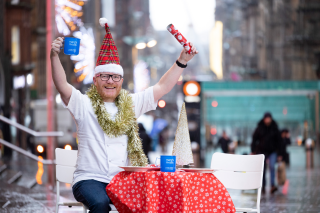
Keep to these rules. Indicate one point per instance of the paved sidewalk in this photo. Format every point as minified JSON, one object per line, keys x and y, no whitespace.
{"x":303,"y":192}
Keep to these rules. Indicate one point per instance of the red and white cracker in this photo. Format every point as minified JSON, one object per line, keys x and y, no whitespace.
{"x":180,"y":38}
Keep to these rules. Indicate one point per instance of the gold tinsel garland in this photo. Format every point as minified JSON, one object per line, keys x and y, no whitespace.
{"x":124,"y":124}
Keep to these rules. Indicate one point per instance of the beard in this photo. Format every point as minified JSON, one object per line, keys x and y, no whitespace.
{"x":108,"y":94}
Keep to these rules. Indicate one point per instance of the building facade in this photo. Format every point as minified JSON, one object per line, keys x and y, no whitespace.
{"x":270,"y":39}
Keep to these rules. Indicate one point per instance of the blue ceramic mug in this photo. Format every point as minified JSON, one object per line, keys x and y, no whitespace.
{"x":167,"y":163}
{"x":71,"y":46}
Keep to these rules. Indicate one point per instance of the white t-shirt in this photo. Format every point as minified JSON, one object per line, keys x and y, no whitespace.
{"x":99,"y":156}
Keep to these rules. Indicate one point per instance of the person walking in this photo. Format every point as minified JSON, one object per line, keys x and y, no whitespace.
{"x":266,"y":140}
{"x":285,"y":141}
{"x":224,"y":142}
{"x":106,"y":119}
{"x":145,"y":139}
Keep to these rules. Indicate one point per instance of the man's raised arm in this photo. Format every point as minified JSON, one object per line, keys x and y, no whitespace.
{"x":58,"y":73}
{"x":171,"y":77}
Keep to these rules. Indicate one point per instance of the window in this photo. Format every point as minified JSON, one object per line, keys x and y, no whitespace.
{"x":15,"y":45}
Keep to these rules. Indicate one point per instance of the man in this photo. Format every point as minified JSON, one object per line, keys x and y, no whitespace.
{"x":224,"y":142}
{"x":106,"y":119}
{"x":266,"y":140}
{"x":285,"y":136}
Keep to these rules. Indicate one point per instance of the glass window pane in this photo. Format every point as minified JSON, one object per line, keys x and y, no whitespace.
{"x":15,"y":45}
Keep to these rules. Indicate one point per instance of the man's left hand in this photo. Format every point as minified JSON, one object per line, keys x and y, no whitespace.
{"x":185,"y":56}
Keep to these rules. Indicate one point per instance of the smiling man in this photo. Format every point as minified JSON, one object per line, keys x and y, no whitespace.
{"x":106,"y":119}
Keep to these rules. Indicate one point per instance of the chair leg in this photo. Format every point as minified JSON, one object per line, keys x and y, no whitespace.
{"x":58,"y":196}
{"x":85,"y":209}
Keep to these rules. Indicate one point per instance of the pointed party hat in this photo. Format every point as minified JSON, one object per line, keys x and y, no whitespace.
{"x":108,"y":60}
{"x":182,"y":144}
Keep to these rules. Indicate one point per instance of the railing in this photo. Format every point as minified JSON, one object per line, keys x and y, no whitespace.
{"x":24,"y":152}
{"x":31,"y":132}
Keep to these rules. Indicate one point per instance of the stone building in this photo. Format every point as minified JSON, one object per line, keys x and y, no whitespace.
{"x":16,"y":59}
{"x":271,"y":39}
{"x":132,"y":24}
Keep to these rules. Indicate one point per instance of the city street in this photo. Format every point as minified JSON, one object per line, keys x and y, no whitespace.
{"x":91,"y":88}
{"x":303,"y":193}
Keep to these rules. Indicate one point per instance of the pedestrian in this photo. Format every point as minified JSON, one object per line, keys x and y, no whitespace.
{"x":106,"y":116}
{"x":266,"y":140}
{"x":224,"y":142}
{"x":31,"y":142}
{"x":163,"y":139}
{"x":285,"y":141}
{"x":145,"y":139}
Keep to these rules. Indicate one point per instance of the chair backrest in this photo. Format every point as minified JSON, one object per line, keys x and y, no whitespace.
{"x":238,"y":171}
{"x":65,"y":164}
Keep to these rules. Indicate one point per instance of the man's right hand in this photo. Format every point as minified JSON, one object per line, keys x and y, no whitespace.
{"x":56,"y":46}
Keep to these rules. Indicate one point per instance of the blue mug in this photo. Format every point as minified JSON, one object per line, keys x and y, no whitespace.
{"x":71,"y":46}
{"x":167,"y":163}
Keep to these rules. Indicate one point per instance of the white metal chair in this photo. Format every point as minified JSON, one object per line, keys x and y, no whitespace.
{"x":243,"y":172}
{"x":65,"y":167}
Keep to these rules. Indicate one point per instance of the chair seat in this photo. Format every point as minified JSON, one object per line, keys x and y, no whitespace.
{"x":246,"y":210}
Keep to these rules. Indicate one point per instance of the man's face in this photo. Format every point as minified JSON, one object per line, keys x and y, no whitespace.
{"x":224,"y":134}
{"x":107,"y":89}
{"x":267,"y":121}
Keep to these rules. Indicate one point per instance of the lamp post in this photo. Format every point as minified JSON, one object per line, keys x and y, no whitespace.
{"x":50,"y":91}
{"x":141,"y":46}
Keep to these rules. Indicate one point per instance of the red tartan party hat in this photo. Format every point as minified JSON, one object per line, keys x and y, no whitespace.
{"x":108,"y":60}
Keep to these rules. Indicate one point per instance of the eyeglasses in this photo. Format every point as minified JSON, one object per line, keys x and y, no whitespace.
{"x":106,"y":77}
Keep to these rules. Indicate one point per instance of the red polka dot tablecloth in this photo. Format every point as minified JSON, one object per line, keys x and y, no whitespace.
{"x":166,"y":192}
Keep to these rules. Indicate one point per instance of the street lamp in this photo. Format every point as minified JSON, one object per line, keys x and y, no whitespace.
{"x":141,"y":45}
{"x":152,"y":43}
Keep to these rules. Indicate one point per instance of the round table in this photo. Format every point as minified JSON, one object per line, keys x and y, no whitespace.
{"x":174,"y":192}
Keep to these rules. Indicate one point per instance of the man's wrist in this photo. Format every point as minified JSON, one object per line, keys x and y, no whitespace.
{"x":184,"y":62}
{"x":180,"y":64}
{"x":53,"y":54}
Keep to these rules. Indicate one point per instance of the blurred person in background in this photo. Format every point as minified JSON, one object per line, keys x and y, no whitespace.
{"x":306,"y":132}
{"x":163,"y":139}
{"x":266,"y":140}
{"x":31,"y":144}
{"x":224,"y":142}
{"x":145,"y":139}
{"x":285,"y":141}
{"x":31,"y":141}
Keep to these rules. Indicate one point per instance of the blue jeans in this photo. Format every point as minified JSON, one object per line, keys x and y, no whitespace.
{"x":93,"y":194}
{"x":272,"y":162}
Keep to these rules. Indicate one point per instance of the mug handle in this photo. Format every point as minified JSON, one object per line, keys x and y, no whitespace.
{"x":155,"y":163}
